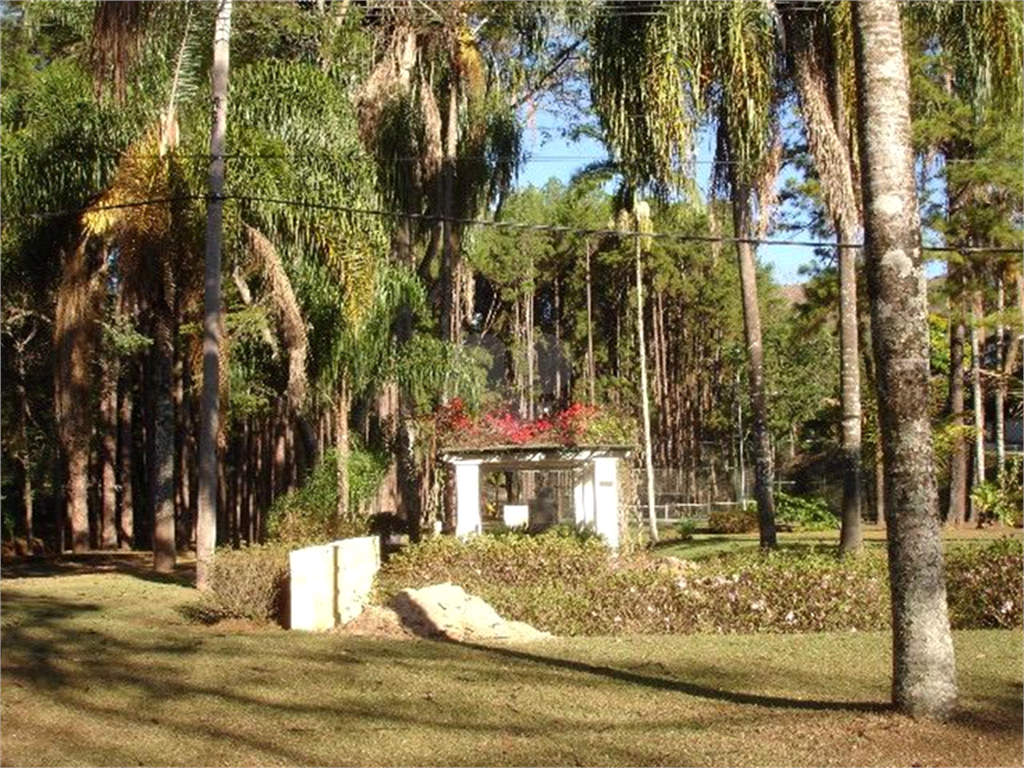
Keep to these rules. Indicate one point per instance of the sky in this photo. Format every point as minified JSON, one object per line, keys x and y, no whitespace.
{"x":559,"y":158}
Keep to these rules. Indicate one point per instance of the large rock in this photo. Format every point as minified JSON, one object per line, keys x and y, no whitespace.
{"x":446,"y":610}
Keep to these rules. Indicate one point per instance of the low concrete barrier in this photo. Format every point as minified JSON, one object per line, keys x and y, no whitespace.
{"x":331,"y":583}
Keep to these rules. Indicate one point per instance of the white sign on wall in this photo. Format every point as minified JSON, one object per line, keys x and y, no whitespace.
{"x":516,"y":515}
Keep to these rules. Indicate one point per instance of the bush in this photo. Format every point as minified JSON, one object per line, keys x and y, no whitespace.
{"x":307,"y":515}
{"x":685,"y":528}
{"x":984,"y":585}
{"x":248,"y":583}
{"x":803,"y":514}
{"x":1002,"y":500}
{"x":733,"y":520}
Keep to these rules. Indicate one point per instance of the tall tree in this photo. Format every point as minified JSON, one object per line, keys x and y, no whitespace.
{"x":817,"y":42}
{"x":206,"y":529}
{"x":656,"y":75}
{"x":923,"y":664}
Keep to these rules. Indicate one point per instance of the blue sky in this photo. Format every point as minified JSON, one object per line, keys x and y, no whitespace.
{"x":559,"y":158}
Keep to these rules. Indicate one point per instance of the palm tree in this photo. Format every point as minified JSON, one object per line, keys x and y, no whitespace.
{"x":655,"y":76}
{"x":818,"y":45}
{"x":923,"y":665}
{"x":206,"y":530}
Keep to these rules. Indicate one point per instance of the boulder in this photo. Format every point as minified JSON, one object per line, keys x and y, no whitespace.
{"x":447,"y":610}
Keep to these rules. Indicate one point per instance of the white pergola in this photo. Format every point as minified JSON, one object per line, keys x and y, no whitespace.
{"x":595,"y":492}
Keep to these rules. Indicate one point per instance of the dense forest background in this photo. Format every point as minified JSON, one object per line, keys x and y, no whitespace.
{"x":380,"y":261}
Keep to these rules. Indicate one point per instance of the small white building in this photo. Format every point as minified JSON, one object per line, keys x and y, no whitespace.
{"x":595,"y":471}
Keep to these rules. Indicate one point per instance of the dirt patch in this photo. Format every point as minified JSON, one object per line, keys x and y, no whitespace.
{"x":377,"y":621}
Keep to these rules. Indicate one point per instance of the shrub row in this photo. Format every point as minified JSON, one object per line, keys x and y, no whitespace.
{"x":985,"y":585}
{"x":572,"y":587}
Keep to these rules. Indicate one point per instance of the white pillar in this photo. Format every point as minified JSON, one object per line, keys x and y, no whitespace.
{"x":606,"y":499}
{"x":467,"y":497}
{"x":583,"y":497}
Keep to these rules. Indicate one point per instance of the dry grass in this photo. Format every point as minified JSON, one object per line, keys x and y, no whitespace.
{"x":104,"y":669}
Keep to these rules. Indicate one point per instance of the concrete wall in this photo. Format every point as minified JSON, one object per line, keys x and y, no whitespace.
{"x":331,"y":583}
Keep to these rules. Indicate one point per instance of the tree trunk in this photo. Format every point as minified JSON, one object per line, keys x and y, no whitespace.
{"x":977,"y":395}
{"x":923,"y":664}
{"x":826,"y":130}
{"x":162,"y":472}
{"x":75,"y":330}
{"x":752,"y":327}
{"x":957,"y":513}
{"x":344,"y":405}
{"x":850,"y":537}
{"x":24,"y":454}
{"x":108,"y":453}
{"x":1001,"y":386}
{"x":451,"y":326}
{"x":125,"y":471}
{"x":591,"y":375}
{"x":206,"y":524}
{"x":645,"y":399}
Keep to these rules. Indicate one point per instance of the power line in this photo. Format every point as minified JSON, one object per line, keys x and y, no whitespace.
{"x":527,"y":158}
{"x":682,"y":237}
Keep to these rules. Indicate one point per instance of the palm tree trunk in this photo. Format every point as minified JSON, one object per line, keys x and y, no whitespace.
{"x":826,"y":125}
{"x":923,"y":663}
{"x":850,"y":537}
{"x":206,"y":524}
{"x":450,"y":315}
{"x":752,"y":326}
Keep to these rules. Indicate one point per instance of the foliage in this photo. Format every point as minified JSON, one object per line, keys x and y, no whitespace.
{"x":308,"y":515}
{"x":576,"y":425}
{"x":248,"y":583}
{"x":1002,"y":499}
{"x":803,"y":514}
{"x":985,"y":585}
{"x":685,"y":528}
{"x":733,"y":520}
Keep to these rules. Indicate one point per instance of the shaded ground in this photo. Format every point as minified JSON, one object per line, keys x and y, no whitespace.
{"x":138,"y":564}
{"x":104,"y":669}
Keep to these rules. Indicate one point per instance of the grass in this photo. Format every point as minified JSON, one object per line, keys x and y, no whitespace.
{"x":104,"y":669}
{"x":707,"y":545}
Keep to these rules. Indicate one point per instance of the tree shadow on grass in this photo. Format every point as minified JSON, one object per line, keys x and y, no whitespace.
{"x":420,"y":623}
{"x":137,"y":564}
{"x":681,"y":686}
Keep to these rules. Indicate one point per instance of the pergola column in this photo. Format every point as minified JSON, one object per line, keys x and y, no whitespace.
{"x":606,"y":499}
{"x":467,"y":495}
{"x":583,"y":497}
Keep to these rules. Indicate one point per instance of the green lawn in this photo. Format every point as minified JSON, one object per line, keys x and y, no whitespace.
{"x":104,"y":669}
{"x":705,"y":545}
